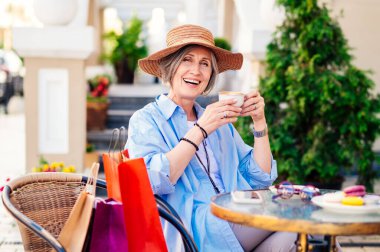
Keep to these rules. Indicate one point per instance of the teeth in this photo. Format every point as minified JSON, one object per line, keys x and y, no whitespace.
{"x":192,"y":81}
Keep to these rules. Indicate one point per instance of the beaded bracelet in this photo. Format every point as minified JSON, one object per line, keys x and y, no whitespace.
{"x":190,"y":142}
{"x":204,"y":132}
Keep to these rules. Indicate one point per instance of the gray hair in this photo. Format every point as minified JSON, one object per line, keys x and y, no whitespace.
{"x":169,"y":64}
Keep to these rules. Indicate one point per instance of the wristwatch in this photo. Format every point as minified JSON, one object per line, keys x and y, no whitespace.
{"x":261,"y":133}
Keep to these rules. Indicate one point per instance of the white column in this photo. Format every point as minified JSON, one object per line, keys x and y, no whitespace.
{"x":55,"y":88}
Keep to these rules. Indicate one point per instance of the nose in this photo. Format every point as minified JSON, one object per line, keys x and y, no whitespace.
{"x":195,"y":69}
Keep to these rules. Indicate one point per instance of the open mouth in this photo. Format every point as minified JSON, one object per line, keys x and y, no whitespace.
{"x":192,"y":82}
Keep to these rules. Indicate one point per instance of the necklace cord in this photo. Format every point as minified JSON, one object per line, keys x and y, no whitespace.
{"x":206,"y":169}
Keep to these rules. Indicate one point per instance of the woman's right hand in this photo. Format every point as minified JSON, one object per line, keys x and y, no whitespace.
{"x":218,"y":114}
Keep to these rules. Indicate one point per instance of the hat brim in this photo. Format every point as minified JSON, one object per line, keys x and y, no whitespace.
{"x":226,"y":60}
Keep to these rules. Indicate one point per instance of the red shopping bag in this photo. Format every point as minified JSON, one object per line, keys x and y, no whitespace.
{"x":142,"y":221}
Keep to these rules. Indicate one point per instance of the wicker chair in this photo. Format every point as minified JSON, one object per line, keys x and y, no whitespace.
{"x":41,"y":204}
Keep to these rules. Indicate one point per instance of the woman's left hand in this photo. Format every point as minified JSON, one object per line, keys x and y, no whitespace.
{"x":254,"y":106}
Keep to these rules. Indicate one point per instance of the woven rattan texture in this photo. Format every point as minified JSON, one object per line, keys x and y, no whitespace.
{"x":49,"y":205}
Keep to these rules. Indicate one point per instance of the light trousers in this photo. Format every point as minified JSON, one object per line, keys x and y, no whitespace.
{"x":259,"y":240}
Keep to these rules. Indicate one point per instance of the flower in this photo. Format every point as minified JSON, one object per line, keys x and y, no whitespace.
{"x":3,"y":186}
{"x":44,"y":166}
{"x":98,"y":88}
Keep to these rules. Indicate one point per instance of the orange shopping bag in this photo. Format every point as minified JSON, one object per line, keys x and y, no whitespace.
{"x":142,"y":221}
{"x":110,"y":162}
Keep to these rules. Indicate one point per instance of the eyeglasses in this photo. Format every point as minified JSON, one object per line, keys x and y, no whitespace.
{"x":286,"y":190}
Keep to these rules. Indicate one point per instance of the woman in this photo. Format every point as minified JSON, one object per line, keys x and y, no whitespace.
{"x":193,"y":153}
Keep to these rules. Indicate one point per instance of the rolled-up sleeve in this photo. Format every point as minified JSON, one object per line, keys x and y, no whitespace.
{"x":145,"y":140}
{"x":254,"y":175}
{"x":249,"y":168}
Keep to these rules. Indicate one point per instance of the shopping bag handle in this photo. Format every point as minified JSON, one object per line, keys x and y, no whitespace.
{"x":114,"y":140}
{"x":122,"y":141}
{"x":118,"y":139}
{"x":91,"y":182}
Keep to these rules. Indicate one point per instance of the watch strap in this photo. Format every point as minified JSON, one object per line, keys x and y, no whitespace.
{"x":260,"y":133}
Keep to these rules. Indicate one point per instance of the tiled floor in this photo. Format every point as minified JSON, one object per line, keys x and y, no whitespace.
{"x":12,"y":161}
{"x":10,"y":240}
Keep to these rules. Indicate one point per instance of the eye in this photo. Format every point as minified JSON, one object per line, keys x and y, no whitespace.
{"x":205,"y":63}
{"x":186,"y":59}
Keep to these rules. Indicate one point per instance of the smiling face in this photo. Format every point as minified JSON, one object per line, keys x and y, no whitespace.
{"x":192,"y":75}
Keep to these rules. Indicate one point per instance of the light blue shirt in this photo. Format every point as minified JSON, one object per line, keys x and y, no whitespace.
{"x":156,"y":129}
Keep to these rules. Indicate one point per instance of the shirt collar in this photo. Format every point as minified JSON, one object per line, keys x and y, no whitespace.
{"x":167,"y":106}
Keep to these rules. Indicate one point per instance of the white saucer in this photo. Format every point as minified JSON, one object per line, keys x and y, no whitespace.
{"x":339,"y":208}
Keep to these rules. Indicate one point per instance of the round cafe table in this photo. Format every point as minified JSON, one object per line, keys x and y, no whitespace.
{"x":295,"y":215}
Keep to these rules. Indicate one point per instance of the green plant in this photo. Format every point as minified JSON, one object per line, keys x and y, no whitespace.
{"x":90,"y":147}
{"x":126,"y":49}
{"x":222,"y":43}
{"x":320,"y":110}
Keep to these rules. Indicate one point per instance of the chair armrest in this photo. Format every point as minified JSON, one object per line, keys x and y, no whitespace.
{"x":167,"y":207}
{"x":34,"y":227}
{"x":188,"y":241}
{"x":167,"y":212}
{"x":160,"y":201}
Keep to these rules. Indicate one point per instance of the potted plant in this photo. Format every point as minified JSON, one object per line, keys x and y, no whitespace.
{"x":97,"y":101}
{"x":321,"y":111}
{"x":126,"y":49}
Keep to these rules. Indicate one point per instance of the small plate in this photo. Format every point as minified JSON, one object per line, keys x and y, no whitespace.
{"x":339,"y":208}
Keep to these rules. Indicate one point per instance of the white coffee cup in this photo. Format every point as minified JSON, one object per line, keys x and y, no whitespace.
{"x":238,"y":96}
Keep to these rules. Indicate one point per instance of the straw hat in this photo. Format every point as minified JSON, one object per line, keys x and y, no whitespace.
{"x":191,"y":35}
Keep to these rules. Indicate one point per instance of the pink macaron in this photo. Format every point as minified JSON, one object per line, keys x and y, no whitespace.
{"x":356,"y":190}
